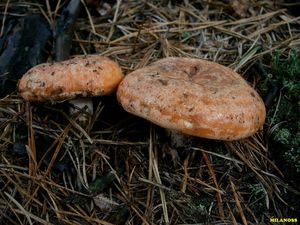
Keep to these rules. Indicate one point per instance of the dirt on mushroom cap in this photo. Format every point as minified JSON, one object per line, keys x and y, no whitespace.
{"x":194,"y":96}
{"x":90,"y":75}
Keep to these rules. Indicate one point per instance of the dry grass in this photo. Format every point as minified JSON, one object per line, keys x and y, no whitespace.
{"x":119,"y":168}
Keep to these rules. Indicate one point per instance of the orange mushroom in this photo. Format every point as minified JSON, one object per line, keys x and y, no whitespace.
{"x":80,"y":76}
{"x":194,"y":97}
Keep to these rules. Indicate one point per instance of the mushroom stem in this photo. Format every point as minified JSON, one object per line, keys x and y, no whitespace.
{"x":84,"y":106}
{"x":178,"y":139}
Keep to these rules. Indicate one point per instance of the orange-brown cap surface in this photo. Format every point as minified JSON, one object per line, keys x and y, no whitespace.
{"x":195,"y":97}
{"x":90,"y":75}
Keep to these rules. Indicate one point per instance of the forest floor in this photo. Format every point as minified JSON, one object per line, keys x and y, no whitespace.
{"x":121,"y":169}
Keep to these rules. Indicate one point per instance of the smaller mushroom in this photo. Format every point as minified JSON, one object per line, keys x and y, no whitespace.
{"x":194,"y":97}
{"x":79,"y":77}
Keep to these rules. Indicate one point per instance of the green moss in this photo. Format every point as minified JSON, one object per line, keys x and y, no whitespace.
{"x":284,"y":114}
{"x":283,"y":136}
{"x":196,"y":208}
{"x":293,"y":157}
{"x":287,"y":70}
{"x":185,"y":34}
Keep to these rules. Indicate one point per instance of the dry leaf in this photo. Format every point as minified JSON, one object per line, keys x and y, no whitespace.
{"x":104,"y":203}
{"x":240,"y":7}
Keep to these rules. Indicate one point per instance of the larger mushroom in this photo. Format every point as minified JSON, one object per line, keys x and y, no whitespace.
{"x":194,"y":97}
{"x":80,"y":76}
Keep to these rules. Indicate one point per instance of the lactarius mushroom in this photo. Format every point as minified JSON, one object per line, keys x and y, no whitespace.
{"x":80,"y":76}
{"x":194,"y":97}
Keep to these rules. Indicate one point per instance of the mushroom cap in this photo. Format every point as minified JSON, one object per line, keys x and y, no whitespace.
{"x":195,"y":97}
{"x":84,"y":76}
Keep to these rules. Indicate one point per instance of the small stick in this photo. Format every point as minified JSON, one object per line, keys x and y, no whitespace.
{"x":64,"y":30}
